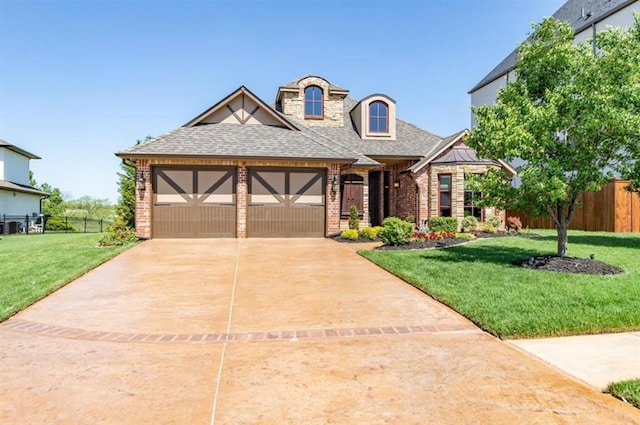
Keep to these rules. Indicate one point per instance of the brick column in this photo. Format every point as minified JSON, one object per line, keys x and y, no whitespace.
{"x":422,"y":180}
{"x":143,"y":200}
{"x":333,"y":200}
{"x":241,"y":202}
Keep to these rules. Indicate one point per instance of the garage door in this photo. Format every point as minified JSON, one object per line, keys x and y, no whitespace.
{"x":194,"y":203}
{"x":286,"y":203}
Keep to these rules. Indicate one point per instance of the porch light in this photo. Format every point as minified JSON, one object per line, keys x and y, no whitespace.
{"x":396,"y":183}
{"x":141,"y":182}
{"x":334,"y":184}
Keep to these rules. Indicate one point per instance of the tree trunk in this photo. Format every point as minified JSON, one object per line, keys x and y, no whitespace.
{"x":562,"y":225}
{"x":563,"y":239}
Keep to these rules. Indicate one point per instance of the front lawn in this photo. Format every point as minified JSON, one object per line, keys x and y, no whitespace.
{"x":479,"y":281}
{"x":33,"y":266}
{"x":628,"y":391}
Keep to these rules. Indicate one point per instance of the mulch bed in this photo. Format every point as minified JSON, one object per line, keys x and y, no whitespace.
{"x":568,"y":265}
{"x":434,"y":243}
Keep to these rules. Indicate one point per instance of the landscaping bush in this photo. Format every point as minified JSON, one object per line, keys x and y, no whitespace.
{"x":490,"y":228}
{"x":395,"y":231}
{"x":118,"y":234}
{"x":495,"y":221}
{"x":350,"y":234}
{"x":469,"y":224}
{"x":448,"y":224}
{"x":433,"y":235}
{"x":370,"y":233}
{"x":467,"y":236}
{"x":514,"y":225}
{"x":410,"y":219}
{"x":354,"y":222}
{"x":58,"y":224}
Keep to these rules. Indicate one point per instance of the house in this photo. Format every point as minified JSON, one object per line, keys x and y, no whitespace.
{"x":585,"y":16}
{"x":17,"y":198}
{"x":243,"y":168}
{"x":613,"y":208}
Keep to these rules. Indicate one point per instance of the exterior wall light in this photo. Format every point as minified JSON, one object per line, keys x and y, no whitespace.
{"x":396,"y":183}
{"x":141,"y":182}
{"x":334,"y":184}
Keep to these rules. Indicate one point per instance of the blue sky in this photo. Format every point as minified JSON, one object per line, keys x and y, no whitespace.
{"x":80,"y":80}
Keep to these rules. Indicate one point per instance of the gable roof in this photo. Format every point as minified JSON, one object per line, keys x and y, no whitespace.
{"x":571,"y":12}
{"x":14,"y":148}
{"x":294,"y":140}
{"x":460,"y":154}
{"x":242,"y":90}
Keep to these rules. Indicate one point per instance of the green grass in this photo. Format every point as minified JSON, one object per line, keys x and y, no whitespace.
{"x":628,"y":391}
{"x":478,"y":280}
{"x":34,"y":266}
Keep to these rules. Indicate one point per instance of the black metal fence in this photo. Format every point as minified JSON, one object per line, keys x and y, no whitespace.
{"x":12,"y":224}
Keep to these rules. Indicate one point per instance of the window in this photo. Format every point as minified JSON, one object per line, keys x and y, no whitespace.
{"x":470,"y":199}
{"x":313,"y":102}
{"x":444,"y":194}
{"x":378,"y":117}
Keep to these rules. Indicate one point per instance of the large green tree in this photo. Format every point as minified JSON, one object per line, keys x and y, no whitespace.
{"x":571,"y":119}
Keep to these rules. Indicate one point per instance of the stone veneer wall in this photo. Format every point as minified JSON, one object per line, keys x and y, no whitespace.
{"x":457,"y":172}
{"x":144,"y":199}
{"x":293,"y":104}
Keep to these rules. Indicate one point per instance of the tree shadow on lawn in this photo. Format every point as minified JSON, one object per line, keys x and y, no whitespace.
{"x":472,"y":253}
{"x":613,"y":241}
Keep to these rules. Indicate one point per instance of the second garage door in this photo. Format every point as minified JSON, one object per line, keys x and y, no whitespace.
{"x":286,"y":203}
{"x":194,"y":202}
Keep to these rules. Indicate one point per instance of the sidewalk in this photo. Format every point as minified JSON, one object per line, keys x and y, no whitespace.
{"x":597,"y":360}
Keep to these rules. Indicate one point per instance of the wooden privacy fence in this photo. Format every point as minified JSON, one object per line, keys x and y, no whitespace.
{"x":612,"y":209}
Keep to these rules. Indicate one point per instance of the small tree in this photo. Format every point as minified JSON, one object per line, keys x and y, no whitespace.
{"x":354,"y":222}
{"x":572,"y":116}
{"x":126,"y":207}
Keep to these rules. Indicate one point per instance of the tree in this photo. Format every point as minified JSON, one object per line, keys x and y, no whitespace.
{"x":54,"y":205}
{"x":572,"y":116}
{"x":87,"y":206}
{"x":126,"y":208}
{"x":32,"y":180}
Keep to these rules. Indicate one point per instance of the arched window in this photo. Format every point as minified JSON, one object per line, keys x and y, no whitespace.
{"x":378,"y":117}
{"x":313,"y":102}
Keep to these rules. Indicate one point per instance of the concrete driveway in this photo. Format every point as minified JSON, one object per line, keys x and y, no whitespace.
{"x":268,"y":332}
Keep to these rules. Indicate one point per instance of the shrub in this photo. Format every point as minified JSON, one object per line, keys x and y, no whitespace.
{"x":58,"y":223}
{"x":433,"y":235}
{"x":395,"y":231}
{"x":469,"y":224}
{"x":354,"y":222}
{"x":514,"y":225}
{"x":489,"y":228}
{"x":448,"y":224}
{"x":370,"y":233}
{"x":467,"y":236}
{"x":118,"y":234}
{"x":410,"y":219}
{"x":350,"y":234}
{"x":495,"y":221}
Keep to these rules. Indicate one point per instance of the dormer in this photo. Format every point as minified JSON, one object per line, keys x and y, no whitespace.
{"x":375,"y":117}
{"x":312,"y":100}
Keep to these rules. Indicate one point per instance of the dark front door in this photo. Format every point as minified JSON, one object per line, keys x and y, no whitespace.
{"x":286,"y":203}
{"x":385,"y":194}
{"x":352,"y":194}
{"x":194,"y":202}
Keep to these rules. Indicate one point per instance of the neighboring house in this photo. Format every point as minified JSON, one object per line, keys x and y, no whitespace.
{"x":17,"y":198}
{"x":585,"y":16}
{"x":243,"y":168}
